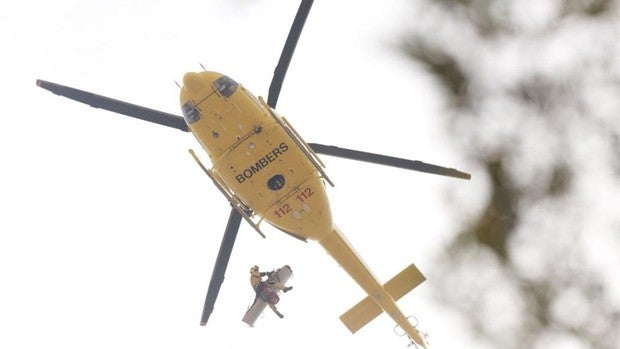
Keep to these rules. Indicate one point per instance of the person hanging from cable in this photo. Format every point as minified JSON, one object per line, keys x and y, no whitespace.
{"x":267,"y":289}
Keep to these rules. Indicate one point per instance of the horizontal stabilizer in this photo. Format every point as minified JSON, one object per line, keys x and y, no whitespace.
{"x":366,"y":310}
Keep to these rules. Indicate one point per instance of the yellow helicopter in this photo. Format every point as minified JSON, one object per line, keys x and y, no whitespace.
{"x":269,"y":173}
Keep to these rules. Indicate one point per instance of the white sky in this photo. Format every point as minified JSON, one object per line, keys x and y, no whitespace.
{"x":109,"y":230}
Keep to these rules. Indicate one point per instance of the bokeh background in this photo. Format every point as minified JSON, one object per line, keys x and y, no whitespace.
{"x":108,"y":229}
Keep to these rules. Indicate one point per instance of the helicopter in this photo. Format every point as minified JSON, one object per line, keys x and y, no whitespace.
{"x":268,"y":173}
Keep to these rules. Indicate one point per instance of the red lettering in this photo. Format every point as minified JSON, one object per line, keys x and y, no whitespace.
{"x":304,"y":194}
{"x":282,"y":210}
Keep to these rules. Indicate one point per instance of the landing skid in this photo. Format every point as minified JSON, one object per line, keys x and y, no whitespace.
{"x":305,"y":148}
{"x":235,"y":202}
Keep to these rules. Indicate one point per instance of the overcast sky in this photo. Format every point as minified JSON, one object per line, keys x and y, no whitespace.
{"x":109,"y":230}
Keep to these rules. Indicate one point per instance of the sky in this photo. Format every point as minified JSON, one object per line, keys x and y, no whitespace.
{"x":109,"y":230}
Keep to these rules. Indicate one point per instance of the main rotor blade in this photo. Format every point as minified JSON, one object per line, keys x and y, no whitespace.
{"x":217,"y":277}
{"x":387,"y":160}
{"x":98,"y":101}
{"x":287,"y":52}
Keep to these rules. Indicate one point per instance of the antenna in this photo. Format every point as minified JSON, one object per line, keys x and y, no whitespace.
{"x":176,"y":83}
{"x":203,"y":67}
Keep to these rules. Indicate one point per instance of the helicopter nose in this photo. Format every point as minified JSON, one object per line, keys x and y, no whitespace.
{"x":193,"y":82}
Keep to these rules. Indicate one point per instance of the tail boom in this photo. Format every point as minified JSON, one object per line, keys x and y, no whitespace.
{"x":379,"y":297}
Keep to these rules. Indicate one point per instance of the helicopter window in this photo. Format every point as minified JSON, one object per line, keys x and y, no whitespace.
{"x":225,"y":86}
{"x":190,"y":112}
{"x":276,"y":182}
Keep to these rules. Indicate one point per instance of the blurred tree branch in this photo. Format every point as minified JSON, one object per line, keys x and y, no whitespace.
{"x":533,"y":96}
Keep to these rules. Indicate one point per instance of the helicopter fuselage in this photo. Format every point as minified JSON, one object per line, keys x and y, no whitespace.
{"x":254,"y":157}
{"x":267,"y":170}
